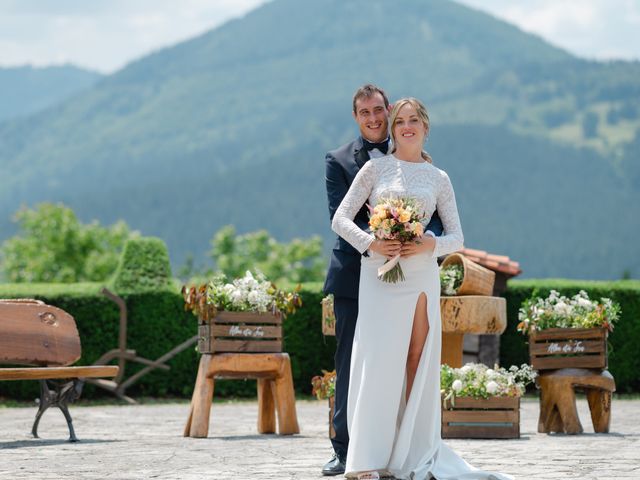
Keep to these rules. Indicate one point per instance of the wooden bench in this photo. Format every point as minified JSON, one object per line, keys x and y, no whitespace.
{"x":558,"y":411}
{"x":46,"y":339}
{"x":241,"y":345}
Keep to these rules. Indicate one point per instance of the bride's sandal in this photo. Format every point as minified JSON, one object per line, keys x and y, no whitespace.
{"x":368,"y":476}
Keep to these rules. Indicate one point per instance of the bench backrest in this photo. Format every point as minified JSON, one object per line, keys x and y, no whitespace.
{"x":33,"y":333}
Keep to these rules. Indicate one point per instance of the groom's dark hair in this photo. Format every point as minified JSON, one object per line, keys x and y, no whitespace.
{"x":367,"y":91}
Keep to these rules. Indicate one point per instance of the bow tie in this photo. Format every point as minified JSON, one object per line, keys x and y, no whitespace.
{"x":382,"y":146}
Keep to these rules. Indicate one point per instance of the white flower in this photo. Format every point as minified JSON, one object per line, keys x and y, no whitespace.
{"x":236,"y":296}
{"x":253,"y":297}
{"x":583,"y":302}
{"x":456,"y":386}
{"x":490,"y":373}
{"x":492,"y":387}
{"x":465,"y":369}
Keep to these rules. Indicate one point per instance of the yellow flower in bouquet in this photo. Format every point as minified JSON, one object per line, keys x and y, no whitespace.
{"x":395,"y":219}
{"x":375,"y":221}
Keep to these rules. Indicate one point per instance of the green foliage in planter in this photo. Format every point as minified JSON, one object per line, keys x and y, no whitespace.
{"x":624,"y":361}
{"x":144,"y":266}
{"x":157,"y":322}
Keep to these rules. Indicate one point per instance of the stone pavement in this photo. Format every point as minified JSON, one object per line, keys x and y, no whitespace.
{"x":145,"y":442}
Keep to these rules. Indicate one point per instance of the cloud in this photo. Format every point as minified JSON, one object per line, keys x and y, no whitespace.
{"x":589,"y":28}
{"x":107,"y":34}
{"x":104,"y":34}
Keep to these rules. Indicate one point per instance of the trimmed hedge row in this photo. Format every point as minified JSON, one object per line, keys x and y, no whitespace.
{"x":158,"y":322}
{"x":624,"y":341}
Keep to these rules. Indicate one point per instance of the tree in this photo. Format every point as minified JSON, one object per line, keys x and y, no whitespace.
{"x":54,"y":246}
{"x":297,"y":261}
{"x":590,"y":125}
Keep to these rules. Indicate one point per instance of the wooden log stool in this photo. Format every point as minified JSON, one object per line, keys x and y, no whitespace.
{"x":469,"y":314}
{"x":558,"y":411}
{"x":234,"y":337}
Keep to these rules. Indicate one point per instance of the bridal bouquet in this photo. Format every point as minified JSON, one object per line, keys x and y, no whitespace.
{"x":395,"y":219}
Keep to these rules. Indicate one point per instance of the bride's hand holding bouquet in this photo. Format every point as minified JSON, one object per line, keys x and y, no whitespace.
{"x":397,"y":225}
{"x":426,"y":243}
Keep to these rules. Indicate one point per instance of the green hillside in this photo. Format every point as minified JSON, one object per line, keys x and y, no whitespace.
{"x":232,"y":127}
{"x":26,"y":90}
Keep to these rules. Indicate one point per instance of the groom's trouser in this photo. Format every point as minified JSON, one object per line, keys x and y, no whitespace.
{"x":346,"y":312}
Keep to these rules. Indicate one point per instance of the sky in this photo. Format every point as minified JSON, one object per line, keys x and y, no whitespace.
{"x":105,"y":35}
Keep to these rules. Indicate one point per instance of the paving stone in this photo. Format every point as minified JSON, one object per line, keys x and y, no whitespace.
{"x":146,"y":442}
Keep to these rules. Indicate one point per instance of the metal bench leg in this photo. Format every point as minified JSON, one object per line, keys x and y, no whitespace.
{"x":60,"y":396}
{"x":44,"y":403}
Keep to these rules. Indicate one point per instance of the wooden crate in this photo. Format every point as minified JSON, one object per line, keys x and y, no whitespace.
{"x":240,"y":332}
{"x":495,"y":417}
{"x":328,"y":317}
{"x":555,"y":348}
{"x":332,"y":406}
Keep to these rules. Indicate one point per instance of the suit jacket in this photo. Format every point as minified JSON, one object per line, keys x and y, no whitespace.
{"x":342,"y":165}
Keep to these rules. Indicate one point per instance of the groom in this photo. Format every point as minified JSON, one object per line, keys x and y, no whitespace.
{"x":371,"y":113}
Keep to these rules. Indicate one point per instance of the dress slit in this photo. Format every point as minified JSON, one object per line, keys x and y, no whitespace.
{"x":416,"y":319}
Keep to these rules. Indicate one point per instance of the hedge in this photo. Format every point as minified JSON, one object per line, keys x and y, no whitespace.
{"x":143,"y":267}
{"x":158,"y":322}
{"x":624,"y":354}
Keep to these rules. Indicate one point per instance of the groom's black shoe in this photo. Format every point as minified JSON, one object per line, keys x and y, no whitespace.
{"x":335,"y":466}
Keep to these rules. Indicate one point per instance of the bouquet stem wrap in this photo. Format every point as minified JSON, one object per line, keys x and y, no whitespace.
{"x":391,"y":271}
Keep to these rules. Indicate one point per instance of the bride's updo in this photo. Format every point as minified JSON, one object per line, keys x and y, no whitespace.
{"x":422,"y":114}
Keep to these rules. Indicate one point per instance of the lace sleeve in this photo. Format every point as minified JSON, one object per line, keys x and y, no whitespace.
{"x":452,"y":238}
{"x":352,"y":202}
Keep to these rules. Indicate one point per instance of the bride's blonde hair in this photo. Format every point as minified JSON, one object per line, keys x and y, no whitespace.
{"x":422,"y":114}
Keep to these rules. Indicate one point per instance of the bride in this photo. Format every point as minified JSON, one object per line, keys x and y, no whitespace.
{"x":393,"y":414}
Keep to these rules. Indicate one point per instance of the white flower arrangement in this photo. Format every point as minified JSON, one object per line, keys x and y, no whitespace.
{"x":450,"y":279}
{"x":247,"y":293}
{"x":479,"y":381}
{"x":251,"y":293}
{"x":558,"y":311}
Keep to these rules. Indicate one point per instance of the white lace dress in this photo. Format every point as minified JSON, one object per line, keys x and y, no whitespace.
{"x":386,"y":433}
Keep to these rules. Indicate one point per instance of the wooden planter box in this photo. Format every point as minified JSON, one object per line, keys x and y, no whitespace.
{"x":495,"y":417}
{"x":328,"y":317}
{"x":555,"y":348}
{"x":240,"y":332}
{"x":332,"y":406}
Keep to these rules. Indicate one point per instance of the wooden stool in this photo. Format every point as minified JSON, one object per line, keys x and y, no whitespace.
{"x":275,"y":390}
{"x":558,"y":411}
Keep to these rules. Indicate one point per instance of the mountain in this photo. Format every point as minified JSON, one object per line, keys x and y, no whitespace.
{"x":26,"y":90}
{"x":232,"y":127}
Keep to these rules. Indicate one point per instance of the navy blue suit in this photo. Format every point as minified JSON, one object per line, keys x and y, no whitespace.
{"x":343,"y":276}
